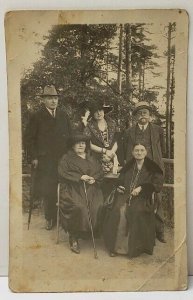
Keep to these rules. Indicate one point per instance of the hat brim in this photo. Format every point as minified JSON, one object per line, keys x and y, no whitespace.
{"x":141,"y":107}
{"x":77,"y":138}
{"x":106,"y":109}
{"x":45,"y":95}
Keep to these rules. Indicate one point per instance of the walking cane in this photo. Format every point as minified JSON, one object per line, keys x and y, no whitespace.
{"x":90,"y":221}
{"x":32,"y":193}
{"x":58,"y":213}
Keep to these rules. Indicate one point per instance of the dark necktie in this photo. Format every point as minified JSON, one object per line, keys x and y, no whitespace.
{"x":53,"y":114}
{"x":143,"y":128}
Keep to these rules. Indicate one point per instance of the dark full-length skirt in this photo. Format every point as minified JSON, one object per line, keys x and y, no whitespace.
{"x":74,"y":210}
{"x":130,"y":229}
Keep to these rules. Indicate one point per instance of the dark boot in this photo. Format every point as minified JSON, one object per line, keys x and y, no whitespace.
{"x":74,"y":245}
{"x":49,"y":224}
{"x":160,"y":237}
{"x":112,"y":254}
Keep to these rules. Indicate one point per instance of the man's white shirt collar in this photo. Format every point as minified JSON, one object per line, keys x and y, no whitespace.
{"x":143,"y":127}
{"x":51,"y":112}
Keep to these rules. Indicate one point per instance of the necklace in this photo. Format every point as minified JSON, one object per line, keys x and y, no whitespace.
{"x":105,"y":135}
{"x":134,"y":181}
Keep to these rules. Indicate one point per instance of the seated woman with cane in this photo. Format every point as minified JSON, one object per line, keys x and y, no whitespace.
{"x":129,"y":225}
{"x":81,"y":197}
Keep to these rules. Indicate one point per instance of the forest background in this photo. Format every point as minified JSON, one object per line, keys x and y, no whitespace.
{"x":119,"y":63}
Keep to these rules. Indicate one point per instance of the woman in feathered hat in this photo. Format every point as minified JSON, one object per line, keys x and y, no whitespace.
{"x":75,"y":168}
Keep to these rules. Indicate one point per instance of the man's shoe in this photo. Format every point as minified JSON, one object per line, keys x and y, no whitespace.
{"x":74,"y":245}
{"x":112,"y":254}
{"x":161,"y":238}
{"x":48,"y":224}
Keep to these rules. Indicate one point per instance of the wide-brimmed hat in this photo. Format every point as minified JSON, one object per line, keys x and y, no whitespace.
{"x":99,"y":105}
{"x":77,"y":137}
{"x":49,"y":90}
{"x":140,"y":105}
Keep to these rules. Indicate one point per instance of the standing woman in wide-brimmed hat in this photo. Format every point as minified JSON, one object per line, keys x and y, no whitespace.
{"x":101,"y":130}
{"x":76,"y":169}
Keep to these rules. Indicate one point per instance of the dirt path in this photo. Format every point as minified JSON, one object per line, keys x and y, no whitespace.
{"x":48,"y":263}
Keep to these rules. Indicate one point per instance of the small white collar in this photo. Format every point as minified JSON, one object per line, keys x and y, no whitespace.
{"x":143,"y":126}
{"x":51,"y":112}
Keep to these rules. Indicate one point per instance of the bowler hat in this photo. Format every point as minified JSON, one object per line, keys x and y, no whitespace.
{"x":100,"y":106}
{"x":49,"y":90}
{"x":140,"y":105}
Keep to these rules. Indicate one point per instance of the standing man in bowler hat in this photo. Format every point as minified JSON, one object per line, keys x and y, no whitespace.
{"x":47,"y":133}
{"x":152,"y":136}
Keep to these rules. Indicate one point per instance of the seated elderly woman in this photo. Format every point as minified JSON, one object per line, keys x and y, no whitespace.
{"x":76,"y":168}
{"x":129,"y":225}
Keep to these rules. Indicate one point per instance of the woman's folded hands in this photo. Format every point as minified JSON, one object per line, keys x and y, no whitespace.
{"x":87,"y":179}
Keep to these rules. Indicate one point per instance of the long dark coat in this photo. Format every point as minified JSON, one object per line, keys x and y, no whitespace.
{"x":158,"y":151}
{"x":157,"y":143}
{"x":74,"y":212}
{"x":138,"y":217}
{"x":46,"y":136}
{"x":46,"y":139}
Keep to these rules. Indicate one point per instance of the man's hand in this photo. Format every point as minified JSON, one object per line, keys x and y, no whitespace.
{"x":121,"y":189}
{"x":34,"y":163}
{"x":136,"y":191}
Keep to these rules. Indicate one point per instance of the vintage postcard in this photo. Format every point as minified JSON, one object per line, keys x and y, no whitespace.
{"x":97,"y":126}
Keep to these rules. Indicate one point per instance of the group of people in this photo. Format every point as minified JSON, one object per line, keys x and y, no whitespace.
{"x":126,"y":212}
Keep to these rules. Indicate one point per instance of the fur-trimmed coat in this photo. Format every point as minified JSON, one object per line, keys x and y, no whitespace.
{"x":137,"y":211}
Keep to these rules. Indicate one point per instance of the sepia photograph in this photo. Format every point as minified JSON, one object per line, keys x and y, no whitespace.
{"x":97,"y":114}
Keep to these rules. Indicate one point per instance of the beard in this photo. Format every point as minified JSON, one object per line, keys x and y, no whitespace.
{"x":143,"y":120}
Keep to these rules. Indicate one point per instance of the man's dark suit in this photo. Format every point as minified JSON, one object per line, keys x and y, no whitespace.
{"x":157,"y":143}
{"x":46,"y":141}
{"x":156,"y":153}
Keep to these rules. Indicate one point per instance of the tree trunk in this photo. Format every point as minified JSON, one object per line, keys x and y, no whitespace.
{"x":140,"y":80}
{"x":119,"y":75}
{"x":107,"y":67}
{"x":171,"y":104}
{"x":168,"y":94}
{"x":128,"y":62}
{"x":143,"y":80}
